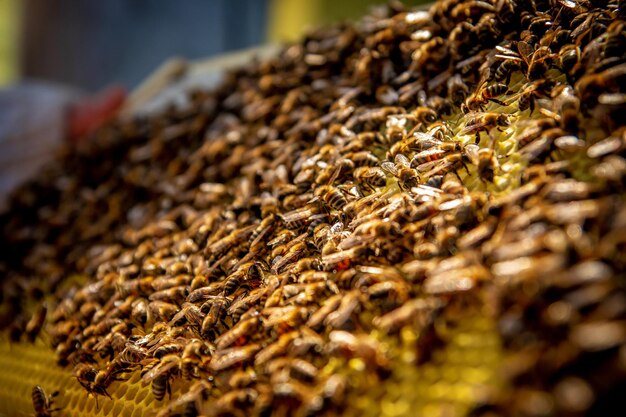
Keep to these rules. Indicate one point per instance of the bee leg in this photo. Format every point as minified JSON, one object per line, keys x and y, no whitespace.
{"x":532,"y":106}
{"x":477,"y":141}
{"x":500,"y":102}
{"x":168,"y":388}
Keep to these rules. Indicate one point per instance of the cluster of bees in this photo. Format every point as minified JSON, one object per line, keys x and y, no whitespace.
{"x":371,"y":179}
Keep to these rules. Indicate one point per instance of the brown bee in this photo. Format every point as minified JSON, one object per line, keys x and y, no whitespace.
{"x":216,"y":312}
{"x":457,"y":89}
{"x":42,"y":402}
{"x":275,"y":349}
{"x":482,"y":96}
{"x":239,"y":334}
{"x":370,"y":178}
{"x":35,"y":324}
{"x":228,"y":358}
{"x":160,"y":374}
{"x":484,"y":122}
{"x":401,"y":169}
{"x":333,"y":197}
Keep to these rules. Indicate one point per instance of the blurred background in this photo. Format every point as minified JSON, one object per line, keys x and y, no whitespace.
{"x":67,"y":66}
{"x":90,"y":44}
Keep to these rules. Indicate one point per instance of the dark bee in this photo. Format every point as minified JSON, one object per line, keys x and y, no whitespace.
{"x":42,"y":402}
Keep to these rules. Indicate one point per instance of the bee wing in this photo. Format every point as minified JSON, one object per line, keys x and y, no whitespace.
{"x":297,"y":215}
{"x":439,"y":166}
{"x":159,"y":369}
{"x":438,"y":80}
{"x":427,"y":166}
{"x":506,"y":51}
{"x":389,"y":167}
{"x":402,"y":160}
{"x":525,"y":51}
{"x":425,"y":192}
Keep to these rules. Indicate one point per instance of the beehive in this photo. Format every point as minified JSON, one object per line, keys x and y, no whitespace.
{"x":421,"y":213}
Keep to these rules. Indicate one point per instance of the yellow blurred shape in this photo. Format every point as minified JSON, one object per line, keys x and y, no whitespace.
{"x":9,"y":37}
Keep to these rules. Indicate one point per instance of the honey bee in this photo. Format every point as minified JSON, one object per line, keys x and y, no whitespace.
{"x":160,"y":375}
{"x":484,"y":122}
{"x":188,"y":314}
{"x":298,"y":218}
{"x":439,"y":151}
{"x":316,"y":320}
{"x":35,"y":324}
{"x":205,"y":292}
{"x":228,"y":358}
{"x":333,"y":197}
{"x":485,"y":162}
{"x":276,"y":349}
{"x":363,"y":159}
{"x":217,"y":309}
{"x":361,"y":346}
{"x":370,"y":178}
{"x":457,"y":90}
{"x":342,"y":316}
{"x":219,"y":248}
{"x":293,"y":254}
{"x":401,"y":169}
{"x":42,"y":402}
{"x":417,"y":310}
{"x":482,"y":96}
{"x":192,"y":358}
{"x":239,"y":333}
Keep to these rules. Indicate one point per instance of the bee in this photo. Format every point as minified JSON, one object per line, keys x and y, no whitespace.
{"x":363,"y":159}
{"x":217,"y":310}
{"x":529,"y":93}
{"x":293,"y":254}
{"x":188,"y":314}
{"x":238,"y":334}
{"x":484,"y":122}
{"x":205,"y":292}
{"x":316,"y":320}
{"x":191,"y":359}
{"x":362,"y":346}
{"x":436,"y":153}
{"x":370,"y":178}
{"x":161,"y":310}
{"x":235,"y":401}
{"x":485,"y":162}
{"x":241,"y":305}
{"x":419,"y":310}
{"x":243,"y":378}
{"x":276,"y":349}
{"x":483,"y":95}
{"x":175,"y":294}
{"x":449,"y":163}
{"x":349,"y":306}
{"x":284,"y":319}
{"x":333,"y":197}
{"x":457,"y":90}
{"x":160,"y":374}
{"x":35,"y":324}
{"x":401,"y":169}
{"x":298,"y":218}
{"x":456,"y":280}
{"x":228,"y":358}
{"x":566,"y":105}
{"x":223,"y":245}
{"x":42,"y":402}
